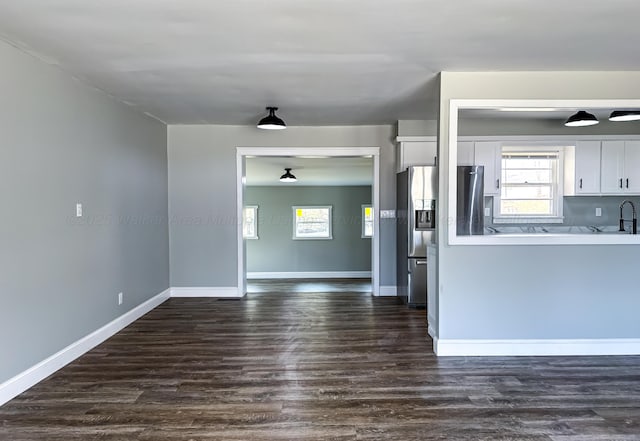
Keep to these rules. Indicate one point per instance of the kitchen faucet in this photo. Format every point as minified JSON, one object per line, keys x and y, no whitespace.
{"x":634,"y":214}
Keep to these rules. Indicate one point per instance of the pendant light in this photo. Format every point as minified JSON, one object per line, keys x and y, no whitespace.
{"x":288,"y":177}
{"x":625,"y":115}
{"x":581,"y":119}
{"x":271,"y":121}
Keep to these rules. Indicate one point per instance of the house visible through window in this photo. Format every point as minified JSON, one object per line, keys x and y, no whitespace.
{"x":367,"y":221}
{"x":312,"y":222}
{"x":531,"y":185}
{"x":250,"y":222}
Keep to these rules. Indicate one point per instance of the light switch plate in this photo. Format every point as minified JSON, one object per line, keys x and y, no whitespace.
{"x":388,"y":214}
{"x":598,"y":212}
{"x":78,"y":210}
{"x":487,"y":211}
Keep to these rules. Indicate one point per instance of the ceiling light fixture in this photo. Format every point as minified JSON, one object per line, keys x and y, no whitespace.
{"x":271,"y":121}
{"x":625,"y":115}
{"x":581,"y":119}
{"x":288,"y":177}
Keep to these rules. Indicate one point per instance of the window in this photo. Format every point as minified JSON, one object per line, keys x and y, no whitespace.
{"x":312,"y":222}
{"x":367,"y":221}
{"x":250,"y":222}
{"x":531,"y":187}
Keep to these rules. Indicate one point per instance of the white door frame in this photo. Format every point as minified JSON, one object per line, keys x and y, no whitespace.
{"x":243,"y":152}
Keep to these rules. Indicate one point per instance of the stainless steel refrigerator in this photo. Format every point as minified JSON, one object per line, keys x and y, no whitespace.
{"x":417,"y":190}
{"x":470,"y":207}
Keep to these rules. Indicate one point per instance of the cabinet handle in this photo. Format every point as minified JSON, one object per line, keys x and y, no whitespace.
{"x":421,"y":262}
{"x":497,"y":183}
{"x":620,"y":182}
{"x":627,"y":182}
{"x":581,"y":183}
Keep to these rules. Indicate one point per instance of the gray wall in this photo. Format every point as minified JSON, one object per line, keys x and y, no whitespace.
{"x":63,"y":143}
{"x":202,"y":195}
{"x":532,"y":292}
{"x":276,"y":251}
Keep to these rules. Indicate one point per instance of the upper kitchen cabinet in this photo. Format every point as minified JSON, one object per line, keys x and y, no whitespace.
{"x":587,"y":168}
{"x":620,"y":167}
{"x":489,"y":154}
{"x":416,"y":151}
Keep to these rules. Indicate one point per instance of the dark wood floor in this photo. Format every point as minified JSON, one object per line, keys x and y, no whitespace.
{"x":337,"y":366}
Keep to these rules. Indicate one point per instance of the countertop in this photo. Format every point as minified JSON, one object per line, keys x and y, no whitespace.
{"x":560,"y":229}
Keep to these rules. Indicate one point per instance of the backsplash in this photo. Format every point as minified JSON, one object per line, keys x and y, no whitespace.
{"x":581,"y":210}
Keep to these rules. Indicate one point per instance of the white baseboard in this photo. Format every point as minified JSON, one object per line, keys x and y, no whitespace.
{"x":229,"y":292}
{"x":388,"y":291}
{"x":310,"y":275}
{"x":551,"y":347}
{"x":24,"y":380}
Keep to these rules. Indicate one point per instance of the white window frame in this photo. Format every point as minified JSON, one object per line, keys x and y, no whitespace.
{"x":557,"y":189}
{"x":363,"y":208}
{"x":295,"y":221}
{"x":255,"y":222}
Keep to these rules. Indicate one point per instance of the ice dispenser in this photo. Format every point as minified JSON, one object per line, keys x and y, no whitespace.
{"x":426,"y":218}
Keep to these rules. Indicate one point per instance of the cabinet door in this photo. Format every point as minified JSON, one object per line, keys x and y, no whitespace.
{"x":418,"y":153}
{"x":587,"y":167}
{"x":632,"y":166}
{"x":489,"y":154}
{"x":465,"y":153}
{"x":612,"y":167}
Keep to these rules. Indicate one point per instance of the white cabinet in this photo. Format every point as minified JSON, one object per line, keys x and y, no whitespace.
{"x":620,"y":167}
{"x":587,"y":167}
{"x":632,"y":166}
{"x":489,"y":154}
{"x":466,"y":153}
{"x":416,"y":153}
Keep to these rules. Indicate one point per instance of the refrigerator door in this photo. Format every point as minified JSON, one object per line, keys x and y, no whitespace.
{"x":417,"y":289}
{"x":421,"y":210}
{"x":470,"y":206}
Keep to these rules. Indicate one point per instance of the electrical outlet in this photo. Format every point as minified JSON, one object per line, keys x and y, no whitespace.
{"x":78,"y":210}
{"x":387,"y":214}
{"x":120,"y":298}
{"x":598,"y":212}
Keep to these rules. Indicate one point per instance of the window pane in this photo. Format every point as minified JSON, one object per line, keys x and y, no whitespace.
{"x":529,"y":182}
{"x":526,"y":192}
{"x":310,"y":229}
{"x":510,"y":162}
{"x":527,"y":176}
{"x":249,"y":222}
{"x":522,"y":207}
{"x":368,"y":229}
{"x":368,"y":213}
{"x":312,"y":222}
{"x":367,"y":221}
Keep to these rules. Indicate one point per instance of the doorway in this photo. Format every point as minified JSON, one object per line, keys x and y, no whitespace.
{"x":243,"y":153}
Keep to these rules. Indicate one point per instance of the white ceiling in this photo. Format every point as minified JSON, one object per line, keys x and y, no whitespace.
{"x":322,"y":62}
{"x":310,"y":171}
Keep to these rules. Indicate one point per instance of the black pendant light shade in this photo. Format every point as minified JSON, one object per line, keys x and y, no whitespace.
{"x":288,"y":177}
{"x":271,"y":121}
{"x":581,"y":119}
{"x":625,"y":115}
